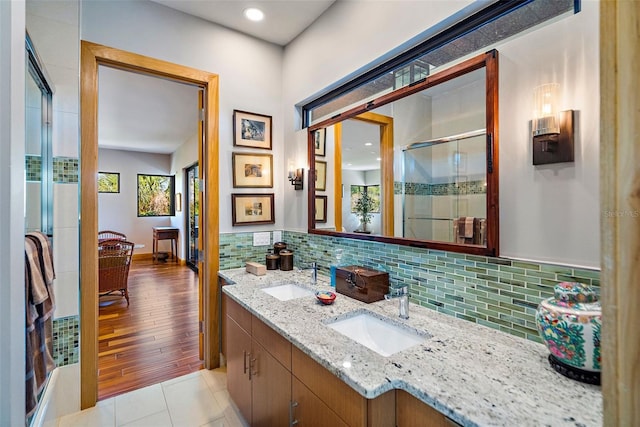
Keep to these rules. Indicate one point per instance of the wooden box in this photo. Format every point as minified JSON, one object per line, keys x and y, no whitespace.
{"x":361,"y":283}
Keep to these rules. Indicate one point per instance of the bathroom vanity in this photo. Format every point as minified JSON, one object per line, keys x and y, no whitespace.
{"x":286,"y":364}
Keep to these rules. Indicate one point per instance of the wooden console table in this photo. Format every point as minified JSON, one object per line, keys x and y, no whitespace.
{"x":165,"y":233}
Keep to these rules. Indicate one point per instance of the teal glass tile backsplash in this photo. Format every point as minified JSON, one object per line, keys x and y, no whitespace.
{"x":495,"y":292}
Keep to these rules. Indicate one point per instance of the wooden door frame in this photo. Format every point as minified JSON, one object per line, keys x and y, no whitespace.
{"x":386,"y":169}
{"x":620,"y":204}
{"x":91,"y":56}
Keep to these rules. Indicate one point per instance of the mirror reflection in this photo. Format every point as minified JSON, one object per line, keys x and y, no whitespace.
{"x":416,"y":168}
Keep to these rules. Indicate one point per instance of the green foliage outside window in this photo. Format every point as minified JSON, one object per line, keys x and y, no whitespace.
{"x":155,"y":195}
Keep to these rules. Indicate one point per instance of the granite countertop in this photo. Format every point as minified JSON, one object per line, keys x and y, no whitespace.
{"x":473,"y":374}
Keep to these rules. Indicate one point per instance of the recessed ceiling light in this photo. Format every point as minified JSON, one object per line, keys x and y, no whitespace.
{"x":368,"y":144}
{"x":378,"y":159}
{"x":253,"y":14}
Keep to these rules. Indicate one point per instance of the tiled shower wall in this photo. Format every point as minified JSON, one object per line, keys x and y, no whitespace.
{"x":495,"y":292}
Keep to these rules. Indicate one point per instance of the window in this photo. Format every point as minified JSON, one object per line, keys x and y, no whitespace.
{"x":108,"y":182}
{"x":155,"y":195}
{"x":471,"y":34}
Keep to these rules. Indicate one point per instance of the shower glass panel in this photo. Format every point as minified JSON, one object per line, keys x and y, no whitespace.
{"x":444,"y":182}
{"x":38,"y":207}
{"x":193,"y":204}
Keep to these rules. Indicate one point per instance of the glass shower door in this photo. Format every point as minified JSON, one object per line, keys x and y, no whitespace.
{"x":193,"y":206}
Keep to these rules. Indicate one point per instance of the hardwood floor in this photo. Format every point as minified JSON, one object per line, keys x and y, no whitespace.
{"x":156,"y":337}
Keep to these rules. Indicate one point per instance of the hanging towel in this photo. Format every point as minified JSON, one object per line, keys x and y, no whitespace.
{"x":46,"y":255}
{"x":461,"y":230}
{"x":39,"y":275}
{"x":36,"y":285}
{"x":468,"y":227}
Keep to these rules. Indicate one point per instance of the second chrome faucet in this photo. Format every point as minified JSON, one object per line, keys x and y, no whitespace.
{"x":402,"y":294}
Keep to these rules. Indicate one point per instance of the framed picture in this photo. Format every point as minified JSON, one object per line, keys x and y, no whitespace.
{"x":320,"y":140}
{"x":321,"y":176}
{"x":247,"y":209}
{"x":251,"y":130}
{"x":178,"y":202}
{"x":108,"y":182}
{"x":321,"y":208}
{"x":251,"y":170}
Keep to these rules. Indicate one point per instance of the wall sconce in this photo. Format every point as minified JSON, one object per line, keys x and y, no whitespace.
{"x":296,"y":177}
{"x":552,"y":129}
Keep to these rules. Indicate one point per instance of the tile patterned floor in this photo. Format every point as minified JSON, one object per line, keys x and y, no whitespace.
{"x":199,"y":399}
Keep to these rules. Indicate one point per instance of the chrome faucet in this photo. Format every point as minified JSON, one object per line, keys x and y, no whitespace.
{"x":313,"y":266}
{"x":403,"y":297}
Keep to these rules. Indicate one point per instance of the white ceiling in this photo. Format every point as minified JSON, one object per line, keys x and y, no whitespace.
{"x":148,"y":114}
{"x":355,"y":154}
{"x":143,"y":113}
{"x":283,"y":20}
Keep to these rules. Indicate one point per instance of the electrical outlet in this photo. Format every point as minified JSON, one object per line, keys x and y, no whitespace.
{"x":277,"y":236}
{"x":262,"y":239}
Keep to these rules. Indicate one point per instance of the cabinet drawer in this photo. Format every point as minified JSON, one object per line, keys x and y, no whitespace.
{"x":332,"y":391}
{"x":236,"y":312}
{"x":273,"y":342}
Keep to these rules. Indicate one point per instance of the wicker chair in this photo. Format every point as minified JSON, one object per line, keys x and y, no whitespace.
{"x":110,"y":235}
{"x":114,"y":260}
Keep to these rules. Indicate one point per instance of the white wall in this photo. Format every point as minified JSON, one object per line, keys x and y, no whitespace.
{"x":119,"y":211}
{"x":551,"y":213}
{"x":185,"y":156}
{"x":12,"y":124}
{"x":250,"y":75}
{"x":54,"y":29}
{"x":548,"y":213}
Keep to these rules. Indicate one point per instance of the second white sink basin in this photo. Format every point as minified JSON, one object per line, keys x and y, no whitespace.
{"x":383,"y":337}
{"x":288,"y":291}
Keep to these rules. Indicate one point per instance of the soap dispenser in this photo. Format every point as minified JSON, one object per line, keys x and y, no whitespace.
{"x":335,"y":263}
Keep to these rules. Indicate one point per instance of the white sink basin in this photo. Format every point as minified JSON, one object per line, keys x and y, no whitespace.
{"x":383,"y":337}
{"x":288,"y":291}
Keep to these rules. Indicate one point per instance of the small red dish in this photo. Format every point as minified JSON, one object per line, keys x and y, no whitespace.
{"x":325,"y":297}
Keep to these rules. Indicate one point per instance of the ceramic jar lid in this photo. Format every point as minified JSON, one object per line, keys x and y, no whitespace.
{"x":574,"y":296}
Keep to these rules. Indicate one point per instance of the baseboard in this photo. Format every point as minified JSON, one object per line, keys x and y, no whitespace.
{"x":149,"y":255}
{"x":142,"y":256}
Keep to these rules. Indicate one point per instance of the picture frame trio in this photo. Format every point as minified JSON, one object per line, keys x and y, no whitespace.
{"x":252,"y":170}
{"x":320,"y":140}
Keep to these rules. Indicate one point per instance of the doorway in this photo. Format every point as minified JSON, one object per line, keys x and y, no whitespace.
{"x":192,"y":205}
{"x":92,"y":56}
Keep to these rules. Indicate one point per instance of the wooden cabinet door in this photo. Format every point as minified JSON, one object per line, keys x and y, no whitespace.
{"x":271,"y":389}
{"x":411,"y":412}
{"x":309,"y":410}
{"x":238,"y":353}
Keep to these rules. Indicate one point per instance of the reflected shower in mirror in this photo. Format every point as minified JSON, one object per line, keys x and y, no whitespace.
{"x":418,"y":165}
{"x":38,"y":207}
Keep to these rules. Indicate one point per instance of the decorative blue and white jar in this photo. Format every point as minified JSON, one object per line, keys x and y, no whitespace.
{"x":570,"y":324}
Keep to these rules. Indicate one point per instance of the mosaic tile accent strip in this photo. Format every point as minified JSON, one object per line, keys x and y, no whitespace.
{"x":33,"y":167}
{"x":66,"y":338}
{"x":451,"y":188}
{"x":65,"y":170}
{"x":496,"y":292}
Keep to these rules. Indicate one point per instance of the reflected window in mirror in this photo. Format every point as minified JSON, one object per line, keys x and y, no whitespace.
{"x":431,"y":150}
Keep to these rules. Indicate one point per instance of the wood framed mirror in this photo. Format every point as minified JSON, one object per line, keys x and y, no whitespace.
{"x":417,"y":165}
